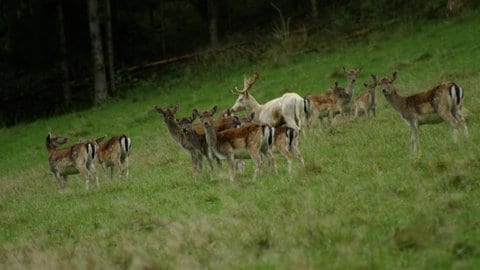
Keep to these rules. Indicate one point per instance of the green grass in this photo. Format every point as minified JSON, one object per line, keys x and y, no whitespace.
{"x":363,"y":201}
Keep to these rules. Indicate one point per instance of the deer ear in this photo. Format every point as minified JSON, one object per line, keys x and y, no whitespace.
{"x":193,"y":117}
{"x":100,"y":139}
{"x":394,"y":76}
{"x":214,"y":109}
{"x":175,"y":108}
{"x":158,"y":109}
{"x":195,"y":112}
{"x":336,"y":84}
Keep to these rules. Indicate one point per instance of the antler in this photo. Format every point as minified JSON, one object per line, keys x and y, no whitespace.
{"x":247,"y":83}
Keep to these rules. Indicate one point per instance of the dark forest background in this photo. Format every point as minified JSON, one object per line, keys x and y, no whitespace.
{"x":58,"y":56}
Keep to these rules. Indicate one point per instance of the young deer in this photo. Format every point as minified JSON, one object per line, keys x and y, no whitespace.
{"x":177,"y":135}
{"x":323,"y":105}
{"x":232,"y":143}
{"x":441,"y":103}
{"x":366,"y":101}
{"x":343,"y":105}
{"x":285,"y":140}
{"x":288,"y":109}
{"x":77,"y":158}
{"x":115,"y":153}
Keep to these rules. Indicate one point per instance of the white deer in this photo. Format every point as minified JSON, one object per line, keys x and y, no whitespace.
{"x":442,"y":103}
{"x":288,"y":109}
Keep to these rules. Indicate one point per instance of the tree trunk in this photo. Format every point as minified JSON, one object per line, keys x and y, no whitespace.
{"x":213,"y":22}
{"x":67,"y":92}
{"x":314,"y":10}
{"x":111,"y":70}
{"x":100,"y":84}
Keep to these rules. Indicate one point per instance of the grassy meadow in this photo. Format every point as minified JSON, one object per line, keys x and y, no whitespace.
{"x":363,"y":201}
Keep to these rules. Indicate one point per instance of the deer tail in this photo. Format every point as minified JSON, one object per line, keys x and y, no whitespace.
{"x":456,"y":93}
{"x":291,"y":134}
{"x":126,"y":143}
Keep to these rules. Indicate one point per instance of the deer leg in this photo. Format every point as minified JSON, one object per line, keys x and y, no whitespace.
{"x":86,"y":174}
{"x":240,"y":165}
{"x":120,"y":167}
{"x":126,"y":167}
{"x":194,"y":164}
{"x":461,"y":121}
{"x":256,"y":157}
{"x":297,"y":153}
{"x":61,"y":181}
{"x":448,"y":117}
{"x":292,"y":123}
{"x":414,"y":135}
{"x":288,"y":156}
{"x":93,"y":172}
{"x":231,"y":166}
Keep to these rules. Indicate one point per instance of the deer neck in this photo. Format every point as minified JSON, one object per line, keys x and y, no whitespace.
{"x":349,"y":88}
{"x":374,"y":98}
{"x":175,"y":131}
{"x":398,"y":102}
{"x":210,"y":136}
{"x":253,"y":107}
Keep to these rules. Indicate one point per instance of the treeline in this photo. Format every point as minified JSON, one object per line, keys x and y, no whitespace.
{"x":61,"y":55}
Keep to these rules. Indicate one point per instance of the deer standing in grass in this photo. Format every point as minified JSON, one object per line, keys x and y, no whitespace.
{"x":441,"y":103}
{"x":288,"y":109}
{"x":77,"y":158}
{"x":322,"y":105}
{"x":115,"y":153}
{"x":195,"y":133}
{"x":343,"y":104}
{"x":285,"y":140}
{"x":233,"y":143}
{"x":366,"y":101}
{"x":177,"y":135}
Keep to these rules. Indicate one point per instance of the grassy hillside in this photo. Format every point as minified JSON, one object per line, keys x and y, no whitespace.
{"x":362,"y":200}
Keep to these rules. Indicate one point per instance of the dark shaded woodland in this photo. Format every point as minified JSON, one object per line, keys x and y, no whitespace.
{"x":62,"y":55}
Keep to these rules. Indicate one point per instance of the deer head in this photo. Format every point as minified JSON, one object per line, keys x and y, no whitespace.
{"x":168,"y":113}
{"x":386,"y":84}
{"x":243,"y":95}
{"x":371,"y":86}
{"x":351,"y":74}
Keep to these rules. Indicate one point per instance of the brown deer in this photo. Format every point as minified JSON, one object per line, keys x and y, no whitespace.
{"x":343,"y":104}
{"x":285,"y":140}
{"x":441,"y":103}
{"x":366,"y":101}
{"x":177,"y":135}
{"x":322,"y":105}
{"x":77,"y":158}
{"x":197,"y":138}
{"x":233,"y":143}
{"x":115,"y":153}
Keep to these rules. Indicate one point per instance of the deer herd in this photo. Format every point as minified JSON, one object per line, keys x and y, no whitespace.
{"x":271,"y":127}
